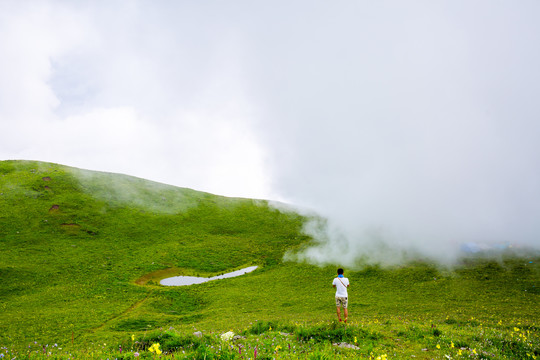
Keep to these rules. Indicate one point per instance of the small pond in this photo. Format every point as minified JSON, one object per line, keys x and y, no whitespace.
{"x":191,"y":280}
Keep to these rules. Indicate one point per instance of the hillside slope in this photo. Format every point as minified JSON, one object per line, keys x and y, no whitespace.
{"x":74,"y":242}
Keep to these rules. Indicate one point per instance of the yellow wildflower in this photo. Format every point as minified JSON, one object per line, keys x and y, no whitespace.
{"x":459,"y":352}
{"x":438,"y":346}
{"x":516,"y":329}
{"x":132,"y":337}
{"x":451,"y":344}
{"x":355,"y":340}
{"x":474,"y":351}
{"x":155,"y":348}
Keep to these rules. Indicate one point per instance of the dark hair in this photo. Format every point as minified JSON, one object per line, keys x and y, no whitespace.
{"x":340,"y":271}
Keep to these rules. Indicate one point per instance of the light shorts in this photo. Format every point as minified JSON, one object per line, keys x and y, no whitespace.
{"x":341,"y":301}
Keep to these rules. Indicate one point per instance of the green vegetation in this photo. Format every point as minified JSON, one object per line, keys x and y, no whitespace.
{"x":82,"y":254}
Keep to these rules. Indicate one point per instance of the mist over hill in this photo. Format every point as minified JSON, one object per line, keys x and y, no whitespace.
{"x":334,"y":241}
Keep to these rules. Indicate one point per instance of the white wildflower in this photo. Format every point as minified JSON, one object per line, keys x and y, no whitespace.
{"x":227,"y":336}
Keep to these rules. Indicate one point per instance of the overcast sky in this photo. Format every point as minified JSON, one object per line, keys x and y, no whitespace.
{"x":411,"y":123}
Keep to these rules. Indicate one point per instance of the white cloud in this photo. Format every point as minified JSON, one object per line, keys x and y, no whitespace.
{"x":412,"y":124}
{"x":114,"y":88}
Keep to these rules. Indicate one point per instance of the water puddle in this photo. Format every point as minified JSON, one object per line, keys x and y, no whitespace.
{"x":191,"y":280}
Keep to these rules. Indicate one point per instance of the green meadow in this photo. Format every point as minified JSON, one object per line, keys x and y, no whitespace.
{"x":82,"y":254}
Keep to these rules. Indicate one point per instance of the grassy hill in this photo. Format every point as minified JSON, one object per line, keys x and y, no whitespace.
{"x":82,"y":254}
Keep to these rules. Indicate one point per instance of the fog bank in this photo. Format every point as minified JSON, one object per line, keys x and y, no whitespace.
{"x":413,"y":130}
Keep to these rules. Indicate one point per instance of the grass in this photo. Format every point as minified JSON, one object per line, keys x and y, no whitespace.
{"x":380,"y":338}
{"x":83,"y":253}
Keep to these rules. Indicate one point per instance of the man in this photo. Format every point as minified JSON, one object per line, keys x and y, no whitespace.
{"x":341,"y":284}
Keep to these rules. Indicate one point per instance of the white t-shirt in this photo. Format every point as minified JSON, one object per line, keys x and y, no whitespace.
{"x":341,"y":289}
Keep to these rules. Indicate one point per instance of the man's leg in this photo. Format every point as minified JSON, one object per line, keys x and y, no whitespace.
{"x":346,"y":311}
{"x":338,"y":313}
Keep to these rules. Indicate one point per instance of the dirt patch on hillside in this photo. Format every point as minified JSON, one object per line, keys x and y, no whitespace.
{"x":46,"y":178}
{"x":71,"y":229}
{"x":70,"y":226}
{"x":55,"y":209}
{"x":157,"y":275}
